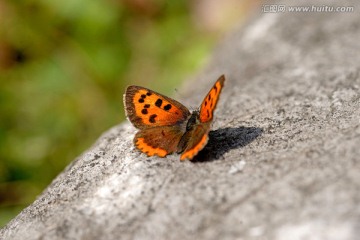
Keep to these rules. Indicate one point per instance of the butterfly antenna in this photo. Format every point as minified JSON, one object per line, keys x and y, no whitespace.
{"x":179,"y":95}
{"x":192,"y":108}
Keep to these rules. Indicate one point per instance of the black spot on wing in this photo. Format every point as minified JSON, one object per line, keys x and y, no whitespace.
{"x":148,"y":93}
{"x":152,"y":118}
{"x":167,"y":107}
{"x":141,"y":100}
{"x":146,"y":105}
{"x":144,"y":111}
{"x":158,"y":102}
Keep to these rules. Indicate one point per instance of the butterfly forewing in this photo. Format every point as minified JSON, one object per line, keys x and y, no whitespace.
{"x":146,"y":108}
{"x":209,"y":103}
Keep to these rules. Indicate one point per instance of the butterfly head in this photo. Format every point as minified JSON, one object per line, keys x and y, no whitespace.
{"x":193,"y":120}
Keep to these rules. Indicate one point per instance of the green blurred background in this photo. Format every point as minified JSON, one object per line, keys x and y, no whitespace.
{"x":64,"y":66}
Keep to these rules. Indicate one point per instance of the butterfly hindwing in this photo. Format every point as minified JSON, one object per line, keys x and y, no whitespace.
{"x":195,"y":140}
{"x":159,"y":141}
{"x":209,"y":103}
{"x":146,"y":108}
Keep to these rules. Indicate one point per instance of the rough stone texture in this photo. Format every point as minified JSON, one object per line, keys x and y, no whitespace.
{"x":282,"y":164}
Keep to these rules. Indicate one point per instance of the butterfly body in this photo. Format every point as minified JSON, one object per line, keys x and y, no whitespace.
{"x":165,"y":125}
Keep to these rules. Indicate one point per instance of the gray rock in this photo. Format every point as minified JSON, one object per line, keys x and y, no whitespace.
{"x":282,"y":161}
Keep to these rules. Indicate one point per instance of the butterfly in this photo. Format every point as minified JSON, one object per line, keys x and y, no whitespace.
{"x":165,"y":125}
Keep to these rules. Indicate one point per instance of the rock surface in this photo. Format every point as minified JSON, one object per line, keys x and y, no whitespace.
{"x":282,"y":162}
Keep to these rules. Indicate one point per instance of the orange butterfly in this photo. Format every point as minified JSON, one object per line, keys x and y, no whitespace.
{"x":167,"y":126}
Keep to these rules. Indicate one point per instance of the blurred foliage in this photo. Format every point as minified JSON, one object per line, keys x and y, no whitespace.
{"x":64,"y":66}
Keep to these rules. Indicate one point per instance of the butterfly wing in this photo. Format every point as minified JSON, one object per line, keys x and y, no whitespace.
{"x":146,"y":108}
{"x":159,"y":141}
{"x":209,"y":103}
{"x":196,"y":138}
